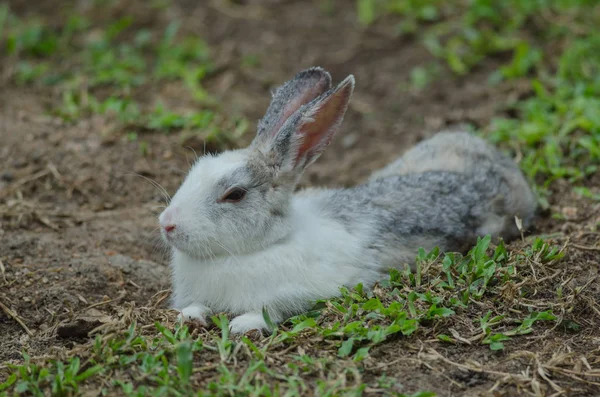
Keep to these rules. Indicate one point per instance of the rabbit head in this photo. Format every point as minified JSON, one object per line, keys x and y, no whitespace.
{"x":239,"y":201}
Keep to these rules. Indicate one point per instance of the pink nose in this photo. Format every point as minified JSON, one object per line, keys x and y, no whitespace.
{"x":169,"y":228}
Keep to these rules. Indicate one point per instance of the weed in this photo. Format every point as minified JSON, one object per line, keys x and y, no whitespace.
{"x":411,"y":302}
{"x":557,"y":128}
{"x":126,"y":64}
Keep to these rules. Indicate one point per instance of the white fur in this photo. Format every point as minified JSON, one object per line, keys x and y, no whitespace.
{"x":196,"y":197}
{"x":317,"y":257}
{"x":268,"y":250}
{"x":247,"y":322}
{"x":197,"y":312}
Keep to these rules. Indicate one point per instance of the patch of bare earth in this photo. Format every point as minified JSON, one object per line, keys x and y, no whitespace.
{"x":78,"y":242}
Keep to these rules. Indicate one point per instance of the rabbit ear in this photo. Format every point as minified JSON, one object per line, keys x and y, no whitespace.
{"x":303,"y":88}
{"x":305,"y":135}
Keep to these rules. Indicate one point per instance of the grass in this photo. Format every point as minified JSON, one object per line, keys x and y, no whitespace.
{"x":83,"y":62}
{"x":136,"y":357}
{"x":553,"y":44}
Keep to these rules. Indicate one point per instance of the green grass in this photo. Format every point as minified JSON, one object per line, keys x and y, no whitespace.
{"x":113,"y":69}
{"x":554,"y":44}
{"x":335,"y":337}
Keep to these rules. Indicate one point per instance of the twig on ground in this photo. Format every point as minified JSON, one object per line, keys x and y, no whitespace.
{"x":15,"y":317}
{"x":30,"y":178}
{"x":45,"y":221}
{"x":585,"y":248}
{"x":541,"y":370}
{"x":437,"y":355}
{"x":421,"y":362}
{"x":118,"y":298}
{"x":160,"y":297}
{"x":575,"y":375}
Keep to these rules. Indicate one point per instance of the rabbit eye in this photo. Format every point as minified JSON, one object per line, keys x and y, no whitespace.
{"x":233,"y":195}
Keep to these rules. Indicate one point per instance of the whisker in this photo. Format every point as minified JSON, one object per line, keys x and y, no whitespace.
{"x":205,"y":251}
{"x":233,"y":256}
{"x":192,"y":149}
{"x":157,"y":185}
{"x":159,"y":247}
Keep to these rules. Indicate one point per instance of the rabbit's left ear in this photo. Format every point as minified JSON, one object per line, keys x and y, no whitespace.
{"x":303,"y":88}
{"x":305,"y":135}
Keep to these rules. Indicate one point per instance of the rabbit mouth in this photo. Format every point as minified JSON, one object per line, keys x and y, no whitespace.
{"x":176,"y":239}
{"x":181,"y":242}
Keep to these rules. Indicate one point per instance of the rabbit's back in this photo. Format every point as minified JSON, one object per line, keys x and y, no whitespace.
{"x":447,"y":151}
{"x":471,"y":156}
{"x":434,"y":208}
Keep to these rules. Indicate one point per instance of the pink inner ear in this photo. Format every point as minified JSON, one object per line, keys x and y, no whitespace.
{"x":318,"y":131}
{"x":292,"y":106}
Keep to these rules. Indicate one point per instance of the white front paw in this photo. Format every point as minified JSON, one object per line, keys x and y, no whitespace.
{"x":247,"y":322}
{"x":197,"y":313}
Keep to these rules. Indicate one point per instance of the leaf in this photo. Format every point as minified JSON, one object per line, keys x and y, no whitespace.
{"x":495,"y":341}
{"x":440,"y":311}
{"x":359,"y":289}
{"x":421,"y":255}
{"x":445,"y":338}
{"x":96,"y":369}
{"x":496,"y":346}
{"x":259,"y":355}
{"x":9,"y":382}
{"x":74,"y":365}
{"x":407,"y":327}
{"x":184,"y":361}
{"x":346,"y":347}
{"x":545,"y":316}
{"x":223,"y":323}
{"x":361,"y":354}
{"x":270,"y":324}
{"x":478,"y":253}
{"x":500,"y":253}
{"x":22,"y":387}
{"x":166,"y":333}
{"x":308,"y":323}
{"x":352,"y":327}
{"x":373,"y":304}
{"x":366,"y":11}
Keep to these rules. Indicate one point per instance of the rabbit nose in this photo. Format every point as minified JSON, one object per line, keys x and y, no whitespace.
{"x":166,"y":220}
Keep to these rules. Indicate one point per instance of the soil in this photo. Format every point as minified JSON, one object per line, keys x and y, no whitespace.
{"x":78,"y":226}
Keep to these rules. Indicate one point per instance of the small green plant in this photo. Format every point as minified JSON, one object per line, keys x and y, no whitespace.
{"x":495,"y":339}
{"x":169,"y":360}
{"x":224,"y":344}
{"x":436,"y":289}
{"x":412,"y":12}
{"x":556,"y":129}
{"x":423,"y":76}
{"x":123,"y":61}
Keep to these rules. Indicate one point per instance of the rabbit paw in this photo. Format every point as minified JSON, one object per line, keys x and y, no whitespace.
{"x":193,"y":313}
{"x":247,"y":322}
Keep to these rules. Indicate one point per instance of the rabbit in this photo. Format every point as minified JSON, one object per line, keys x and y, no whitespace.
{"x":243,"y":240}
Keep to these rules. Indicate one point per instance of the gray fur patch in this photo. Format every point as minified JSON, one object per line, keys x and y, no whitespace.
{"x":434,"y":208}
{"x":471,"y":156}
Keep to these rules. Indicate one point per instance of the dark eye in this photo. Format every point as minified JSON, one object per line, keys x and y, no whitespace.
{"x":233,"y":195}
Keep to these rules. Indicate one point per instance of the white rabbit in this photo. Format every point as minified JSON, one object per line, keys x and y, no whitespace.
{"x":243,"y":241}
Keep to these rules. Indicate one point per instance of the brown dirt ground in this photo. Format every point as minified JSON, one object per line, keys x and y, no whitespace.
{"x":78,"y":228}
